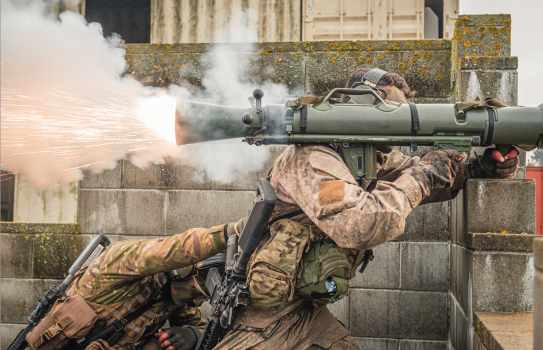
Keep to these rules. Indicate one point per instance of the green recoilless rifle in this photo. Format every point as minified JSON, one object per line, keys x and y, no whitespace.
{"x":358,"y":128}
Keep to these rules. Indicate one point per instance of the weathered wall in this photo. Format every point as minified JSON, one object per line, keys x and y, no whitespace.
{"x":421,"y":289}
{"x":538,"y":293}
{"x":56,"y":204}
{"x":199,"y":21}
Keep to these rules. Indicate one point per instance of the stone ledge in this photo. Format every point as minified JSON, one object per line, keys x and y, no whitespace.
{"x":497,"y":241}
{"x":490,"y":62}
{"x":504,"y":331}
{"x":38,"y":228}
{"x":300,"y":46}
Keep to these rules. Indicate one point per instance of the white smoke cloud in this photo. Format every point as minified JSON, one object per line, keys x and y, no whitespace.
{"x":66,"y":107}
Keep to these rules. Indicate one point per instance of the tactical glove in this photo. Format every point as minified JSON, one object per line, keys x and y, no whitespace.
{"x":179,"y":338}
{"x":487,"y":167}
{"x":436,"y":169}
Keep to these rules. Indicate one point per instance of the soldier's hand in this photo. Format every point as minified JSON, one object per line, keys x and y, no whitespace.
{"x":436,"y":169}
{"x":493,"y":165}
{"x":179,"y":338}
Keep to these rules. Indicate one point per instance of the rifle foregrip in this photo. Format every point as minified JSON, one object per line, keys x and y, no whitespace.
{"x":20,"y":341}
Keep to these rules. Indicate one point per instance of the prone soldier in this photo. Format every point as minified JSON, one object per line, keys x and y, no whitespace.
{"x":128,"y":286}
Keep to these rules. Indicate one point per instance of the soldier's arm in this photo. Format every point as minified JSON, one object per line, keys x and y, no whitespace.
{"x":134,"y":258}
{"x":320,"y":184}
{"x":396,"y":161}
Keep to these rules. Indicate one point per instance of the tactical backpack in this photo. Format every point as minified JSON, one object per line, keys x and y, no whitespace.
{"x":288,"y":263}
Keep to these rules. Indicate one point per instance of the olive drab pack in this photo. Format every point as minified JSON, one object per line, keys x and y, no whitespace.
{"x":289,"y":263}
{"x":325,"y":275}
{"x":276,"y":265}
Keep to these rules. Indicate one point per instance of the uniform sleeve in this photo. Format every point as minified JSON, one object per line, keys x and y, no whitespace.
{"x":133,"y":259}
{"x":318,"y":181}
{"x":396,"y":161}
{"x":188,"y":316}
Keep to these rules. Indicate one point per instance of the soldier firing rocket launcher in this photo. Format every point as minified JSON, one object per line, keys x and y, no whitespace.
{"x":361,"y":125}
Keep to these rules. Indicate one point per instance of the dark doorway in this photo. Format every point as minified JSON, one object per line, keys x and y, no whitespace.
{"x":437,"y":7}
{"x":8,"y":194}
{"x":131,"y":19}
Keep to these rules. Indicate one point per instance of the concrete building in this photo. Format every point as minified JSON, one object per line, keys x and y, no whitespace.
{"x":201,"y":21}
{"x":462,"y":275}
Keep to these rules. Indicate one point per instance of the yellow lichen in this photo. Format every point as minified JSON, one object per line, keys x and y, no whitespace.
{"x":361,"y":59}
{"x":369,"y":60}
{"x":402,"y":65}
{"x":380,"y":56}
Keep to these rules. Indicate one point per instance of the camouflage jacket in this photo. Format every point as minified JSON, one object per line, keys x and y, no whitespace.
{"x":358,"y":216}
{"x":132,"y":272}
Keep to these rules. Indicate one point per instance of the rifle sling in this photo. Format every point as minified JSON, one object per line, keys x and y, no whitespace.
{"x":286,"y":216}
{"x":117,"y":326}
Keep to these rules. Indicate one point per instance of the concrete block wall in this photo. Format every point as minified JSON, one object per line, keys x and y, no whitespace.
{"x":490,"y":270}
{"x":538,"y":293}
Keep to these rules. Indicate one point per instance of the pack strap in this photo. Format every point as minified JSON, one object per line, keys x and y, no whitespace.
{"x":415,"y":123}
{"x":368,"y":256}
{"x":286,"y":216}
{"x":52,"y":331}
{"x":98,"y":333}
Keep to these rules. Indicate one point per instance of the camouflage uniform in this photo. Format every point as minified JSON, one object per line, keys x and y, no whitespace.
{"x":130,"y":273}
{"x":356,"y":216}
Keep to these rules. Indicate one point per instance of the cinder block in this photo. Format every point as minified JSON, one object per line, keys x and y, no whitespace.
{"x":53,"y":255}
{"x":457,"y":219}
{"x":399,"y":314}
{"x":538,"y":253}
{"x":383,"y":271}
{"x":461,"y":330}
{"x":340,"y":310}
{"x":189,"y":209}
{"x":16,"y":252}
{"x":424,"y":266}
{"x":503,"y":281}
{"x":423,"y":345}
{"x":137,"y":212}
{"x":461,"y":278}
{"x":8,"y":333}
{"x":165,"y":177}
{"x":427,"y":222}
{"x":538,"y":310}
{"x":500,"y":205}
{"x":19,"y":297}
{"x":110,"y":178}
{"x":376,"y":343}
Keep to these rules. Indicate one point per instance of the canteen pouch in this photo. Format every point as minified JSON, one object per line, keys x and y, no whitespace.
{"x":324,"y":261}
{"x":70,"y":318}
{"x":277,"y":264}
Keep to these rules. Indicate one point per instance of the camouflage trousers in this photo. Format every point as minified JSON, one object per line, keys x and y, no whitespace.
{"x":310,"y":328}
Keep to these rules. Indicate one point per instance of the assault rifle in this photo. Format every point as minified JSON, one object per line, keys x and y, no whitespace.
{"x":358,"y":127}
{"x":230,"y":292}
{"x":45,"y":303}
